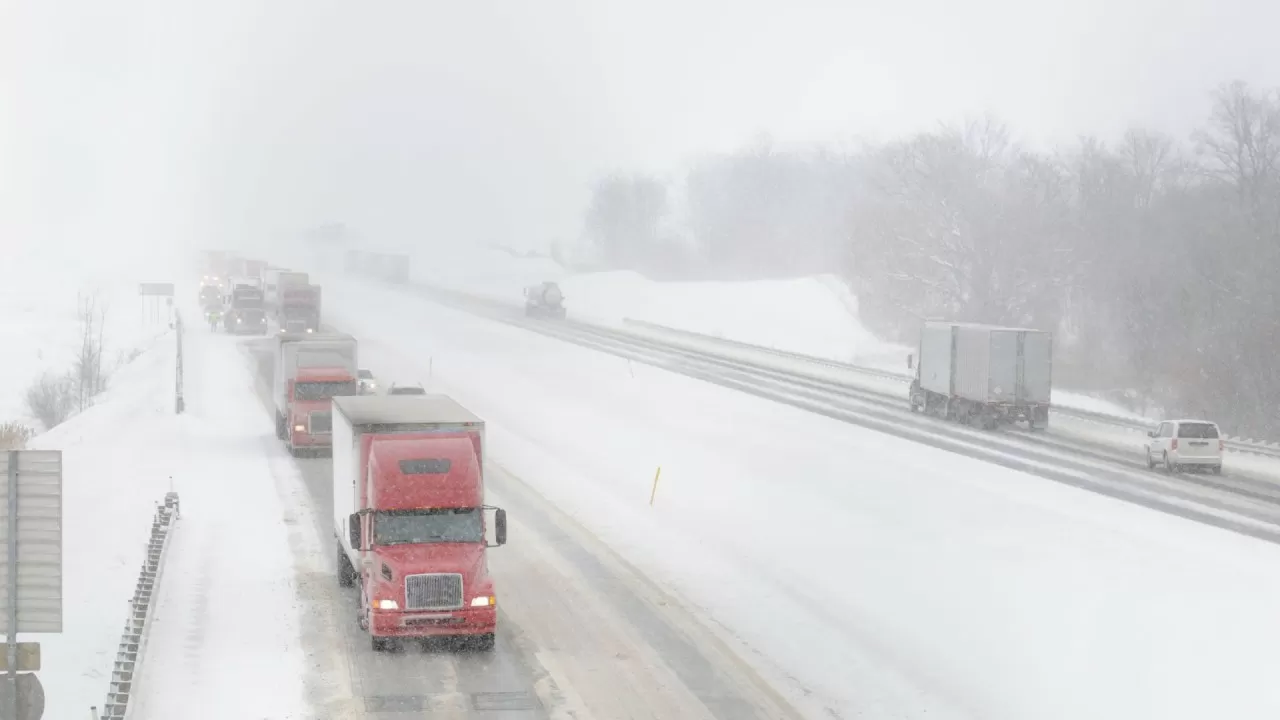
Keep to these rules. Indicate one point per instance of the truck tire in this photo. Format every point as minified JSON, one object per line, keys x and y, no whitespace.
{"x":346,"y":573}
{"x":381,"y":644}
{"x":484,"y":643}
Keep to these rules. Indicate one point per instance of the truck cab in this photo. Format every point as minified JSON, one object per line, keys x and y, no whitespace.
{"x":410,"y":518}
{"x":309,"y":424}
{"x":310,"y":370}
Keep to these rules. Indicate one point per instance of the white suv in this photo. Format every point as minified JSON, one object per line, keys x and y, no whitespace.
{"x":1179,"y":444}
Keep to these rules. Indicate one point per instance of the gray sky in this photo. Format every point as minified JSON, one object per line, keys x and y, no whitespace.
{"x":140,"y":122}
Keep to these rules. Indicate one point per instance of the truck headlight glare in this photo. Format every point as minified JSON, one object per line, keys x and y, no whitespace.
{"x":484,"y":601}
{"x":388,"y":605}
{"x":299,"y":428}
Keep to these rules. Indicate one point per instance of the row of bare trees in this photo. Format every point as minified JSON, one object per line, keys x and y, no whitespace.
{"x":1155,"y":260}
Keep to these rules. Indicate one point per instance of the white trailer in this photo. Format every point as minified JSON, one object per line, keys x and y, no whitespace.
{"x":984,"y":374}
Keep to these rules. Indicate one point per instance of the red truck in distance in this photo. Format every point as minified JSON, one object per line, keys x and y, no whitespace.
{"x":299,"y":308}
{"x":410,"y":518}
{"x":310,"y":370}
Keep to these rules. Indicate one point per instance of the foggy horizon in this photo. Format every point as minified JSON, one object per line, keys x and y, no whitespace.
{"x":418,"y":125}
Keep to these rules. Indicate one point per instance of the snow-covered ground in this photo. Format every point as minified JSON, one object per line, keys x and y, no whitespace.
{"x":116,"y":466}
{"x":225,"y":635}
{"x":815,"y":316}
{"x":221,"y":623}
{"x":868,"y":575}
{"x":40,"y":328}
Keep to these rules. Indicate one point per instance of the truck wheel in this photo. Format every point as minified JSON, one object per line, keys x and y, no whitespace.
{"x":1168,"y":466}
{"x":346,"y":573}
{"x":381,"y":644}
{"x":484,"y":643}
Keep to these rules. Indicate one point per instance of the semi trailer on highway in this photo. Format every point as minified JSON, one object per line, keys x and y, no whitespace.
{"x":298,"y":309}
{"x":983,"y":374}
{"x":409,"y":517}
{"x":310,"y":370}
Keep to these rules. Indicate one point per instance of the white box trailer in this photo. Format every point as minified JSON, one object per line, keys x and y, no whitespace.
{"x":275,"y":280}
{"x":984,"y":373}
{"x":299,"y":350}
{"x":358,"y":415}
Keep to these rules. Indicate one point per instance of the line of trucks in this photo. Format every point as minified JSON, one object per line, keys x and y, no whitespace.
{"x":410,"y":524}
{"x":409,"y":519}
{"x":240,"y":293}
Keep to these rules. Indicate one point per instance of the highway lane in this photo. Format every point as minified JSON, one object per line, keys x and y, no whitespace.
{"x":582,"y":634}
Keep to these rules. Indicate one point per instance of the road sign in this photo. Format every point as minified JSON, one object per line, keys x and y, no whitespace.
{"x":30,"y":697}
{"x":163,"y":289}
{"x":35,"y":548}
{"x":28,"y":659}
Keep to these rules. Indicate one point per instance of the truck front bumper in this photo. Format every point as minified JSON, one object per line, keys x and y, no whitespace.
{"x":430,"y":623}
{"x":306,"y":440}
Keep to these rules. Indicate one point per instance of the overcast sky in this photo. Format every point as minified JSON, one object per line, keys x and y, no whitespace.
{"x":140,"y":123}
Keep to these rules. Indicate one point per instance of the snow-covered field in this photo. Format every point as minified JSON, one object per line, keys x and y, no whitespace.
{"x":868,"y":575}
{"x":40,"y":331}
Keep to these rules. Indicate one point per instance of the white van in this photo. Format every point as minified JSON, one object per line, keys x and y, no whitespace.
{"x":1186,"y":444}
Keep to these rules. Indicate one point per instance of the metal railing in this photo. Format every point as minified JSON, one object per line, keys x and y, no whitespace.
{"x":179,"y":402}
{"x":133,"y":642}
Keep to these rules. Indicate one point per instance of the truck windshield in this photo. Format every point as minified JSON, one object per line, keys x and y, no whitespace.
{"x":322,"y":390}
{"x":428,"y":526}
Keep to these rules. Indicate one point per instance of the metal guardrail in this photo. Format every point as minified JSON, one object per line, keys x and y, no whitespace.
{"x":1233,"y":444}
{"x":179,"y":402}
{"x":133,"y":641}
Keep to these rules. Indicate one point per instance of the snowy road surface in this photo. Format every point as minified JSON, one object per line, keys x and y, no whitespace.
{"x":865,"y":574}
{"x":241,"y":633}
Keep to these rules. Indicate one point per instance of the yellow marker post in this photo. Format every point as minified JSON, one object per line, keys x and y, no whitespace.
{"x":654,"y":493}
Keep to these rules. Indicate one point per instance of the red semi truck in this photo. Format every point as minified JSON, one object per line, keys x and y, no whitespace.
{"x":299,"y":309}
{"x":310,"y":370}
{"x":409,"y":517}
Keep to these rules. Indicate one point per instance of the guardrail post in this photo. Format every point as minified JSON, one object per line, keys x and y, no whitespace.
{"x":180,"y":403}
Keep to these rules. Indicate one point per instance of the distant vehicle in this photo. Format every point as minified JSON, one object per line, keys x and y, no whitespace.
{"x":544,"y":300}
{"x":406,"y":390}
{"x":368,"y":383}
{"x":210,"y":297}
{"x":983,"y":374}
{"x":1184,"y":444}
{"x":246,"y":321}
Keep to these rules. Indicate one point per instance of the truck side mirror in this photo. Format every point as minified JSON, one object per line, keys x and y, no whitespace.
{"x":911,"y":362}
{"x":353,"y":529}
{"x":1151,"y":433}
{"x":500,"y":525}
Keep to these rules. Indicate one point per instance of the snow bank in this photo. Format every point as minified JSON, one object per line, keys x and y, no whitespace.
{"x":219,"y":622}
{"x":869,"y":575}
{"x":113,"y":476}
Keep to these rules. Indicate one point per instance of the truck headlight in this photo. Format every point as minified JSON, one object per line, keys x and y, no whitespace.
{"x":484,"y":601}
{"x":388,"y":605}
{"x":299,"y":428}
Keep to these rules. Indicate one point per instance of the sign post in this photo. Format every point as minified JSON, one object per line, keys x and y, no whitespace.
{"x":32,"y":573}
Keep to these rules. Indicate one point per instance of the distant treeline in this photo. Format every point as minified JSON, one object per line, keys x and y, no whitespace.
{"x":1155,"y":259}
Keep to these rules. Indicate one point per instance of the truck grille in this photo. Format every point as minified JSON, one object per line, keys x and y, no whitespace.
{"x":435,"y":591}
{"x":321,"y":422}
